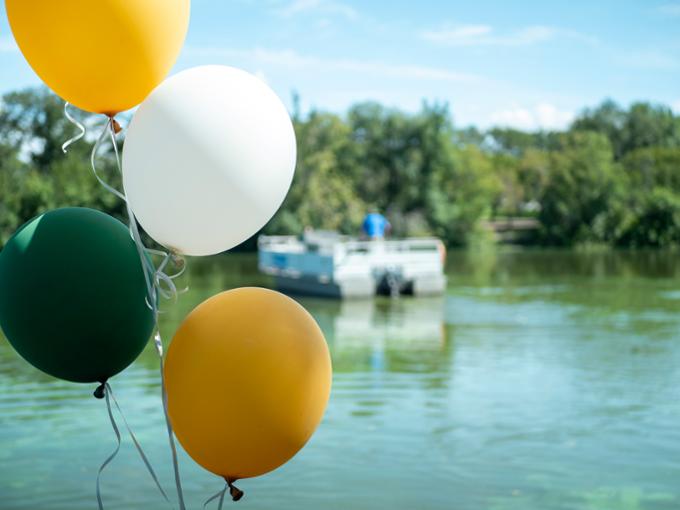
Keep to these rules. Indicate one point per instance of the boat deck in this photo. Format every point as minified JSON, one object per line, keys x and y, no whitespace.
{"x":328,"y":264}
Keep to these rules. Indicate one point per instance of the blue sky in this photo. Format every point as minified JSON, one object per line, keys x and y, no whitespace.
{"x":527,"y":64}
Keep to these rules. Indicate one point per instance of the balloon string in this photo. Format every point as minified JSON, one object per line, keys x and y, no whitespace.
{"x":153,"y":278}
{"x":158,"y":281}
{"x":219,"y":495}
{"x":93,"y":159}
{"x":156,"y":278}
{"x":77,"y":124}
{"x":113,"y":455}
{"x":171,"y":435}
{"x":145,"y":459}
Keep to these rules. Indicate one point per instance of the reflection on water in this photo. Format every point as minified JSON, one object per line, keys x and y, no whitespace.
{"x":542,"y":380}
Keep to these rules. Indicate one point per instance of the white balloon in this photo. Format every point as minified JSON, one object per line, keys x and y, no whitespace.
{"x":208,"y":159}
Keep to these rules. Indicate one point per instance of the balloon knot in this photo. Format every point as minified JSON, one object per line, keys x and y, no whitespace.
{"x":235,"y":493}
{"x":116,"y":126}
{"x":100,"y":392}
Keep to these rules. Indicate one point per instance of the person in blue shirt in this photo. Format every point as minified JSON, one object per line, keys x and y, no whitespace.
{"x":375,"y":226}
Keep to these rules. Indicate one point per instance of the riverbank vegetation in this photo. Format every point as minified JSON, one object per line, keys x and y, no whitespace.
{"x":612,"y":178}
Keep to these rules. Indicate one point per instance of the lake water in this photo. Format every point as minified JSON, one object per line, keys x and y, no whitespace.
{"x":541,"y":381}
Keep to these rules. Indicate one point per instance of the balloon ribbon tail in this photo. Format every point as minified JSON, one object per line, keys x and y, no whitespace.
{"x":219,"y":496}
{"x":138,"y":446}
{"x":115,"y":452}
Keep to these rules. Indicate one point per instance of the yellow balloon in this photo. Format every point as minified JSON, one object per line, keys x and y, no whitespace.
{"x":248,"y":376}
{"x":103,"y":56}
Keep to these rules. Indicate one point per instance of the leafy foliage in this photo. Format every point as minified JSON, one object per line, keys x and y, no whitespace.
{"x":583,"y":182}
{"x":35,"y":175}
{"x":612,"y":178}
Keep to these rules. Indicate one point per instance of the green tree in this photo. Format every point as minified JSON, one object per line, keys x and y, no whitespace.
{"x":583,"y":186}
{"x":510,"y":196}
{"x":613,"y":178}
{"x":33,"y":122}
{"x":533,"y":174}
{"x":322,"y":195}
{"x":470,"y":136}
{"x":608,"y":119}
{"x":35,"y":174}
{"x":460,"y":194}
{"x":397,"y":153}
{"x":643,"y":125}
{"x":12,"y":177}
{"x":657,"y":221}
{"x":515,"y":142}
{"x":653,"y":167}
{"x":649,"y":125}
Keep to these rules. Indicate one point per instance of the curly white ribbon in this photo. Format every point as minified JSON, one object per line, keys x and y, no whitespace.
{"x":158,"y":282}
{"x":93,"y":158}
{"x":77,"y":124}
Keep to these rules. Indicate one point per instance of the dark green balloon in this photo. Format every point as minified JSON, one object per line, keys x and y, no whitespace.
{"x":72,"y":295}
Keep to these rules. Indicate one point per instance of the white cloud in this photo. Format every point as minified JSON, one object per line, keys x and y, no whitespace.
{"x":323,"y":23}
{"x":292,"y":60}
{"x":460,"y":34}
{"x":672,"y":9}
{"x":676,"y":106}
{"x":651,"y":60}
{"x":326,"y":7}
{"x":485,"y":35}
{"x":7,"y":45}
{"x":540,"y":116}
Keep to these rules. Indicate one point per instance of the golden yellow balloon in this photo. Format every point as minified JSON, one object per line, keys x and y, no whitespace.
{"x":103,"y":56}
{"x":248,"y":376}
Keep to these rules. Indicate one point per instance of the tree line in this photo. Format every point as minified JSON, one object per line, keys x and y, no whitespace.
{"x":611,"y":178}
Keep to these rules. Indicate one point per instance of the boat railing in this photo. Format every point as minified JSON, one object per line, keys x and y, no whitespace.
{"x":281,"y":243}
{"x":349,"y":245}
{"x":399,"y":246}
